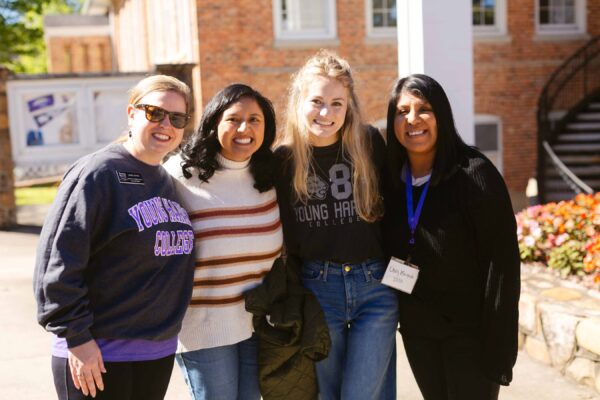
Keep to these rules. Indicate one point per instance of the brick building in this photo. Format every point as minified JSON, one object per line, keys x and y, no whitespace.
{"x":511,"y":67}
{"x":78,"y":43}
{"x":518,"y":44}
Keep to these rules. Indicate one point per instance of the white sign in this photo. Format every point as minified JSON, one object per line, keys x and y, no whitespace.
{"x":401,"y":275}
{"x":54,"y":121}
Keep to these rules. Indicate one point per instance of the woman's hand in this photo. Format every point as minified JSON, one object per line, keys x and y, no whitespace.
{"x":86,"y":365}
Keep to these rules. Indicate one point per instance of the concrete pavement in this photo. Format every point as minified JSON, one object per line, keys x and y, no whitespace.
{"x":24,"y":346}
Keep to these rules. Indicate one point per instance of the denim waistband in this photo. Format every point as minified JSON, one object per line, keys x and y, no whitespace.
{"x":341,"y":264}
{"x":338,"y":268}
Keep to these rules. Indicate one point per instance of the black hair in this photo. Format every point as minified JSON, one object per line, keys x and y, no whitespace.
{"x":201,"y":150}
{"x":450,"y":148}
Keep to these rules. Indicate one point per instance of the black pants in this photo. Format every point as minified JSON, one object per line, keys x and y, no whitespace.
{"x":449,"y":369}
{"x":143,"y":380}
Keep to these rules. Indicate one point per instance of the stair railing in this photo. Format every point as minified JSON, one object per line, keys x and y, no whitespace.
{"x":573,"y":81}
{"x":576,"y":184}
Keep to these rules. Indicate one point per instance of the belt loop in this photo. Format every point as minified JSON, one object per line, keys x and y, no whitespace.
{"x":325,"y":270}
{"x":366,"y":271}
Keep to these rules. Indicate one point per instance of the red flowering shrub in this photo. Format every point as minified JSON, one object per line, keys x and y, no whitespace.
{"x":565,"y":236}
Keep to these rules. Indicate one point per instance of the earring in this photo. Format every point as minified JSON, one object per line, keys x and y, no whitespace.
{"x":130,"y":134}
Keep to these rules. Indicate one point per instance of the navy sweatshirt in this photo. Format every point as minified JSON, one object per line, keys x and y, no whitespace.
{"x":114,"y":258}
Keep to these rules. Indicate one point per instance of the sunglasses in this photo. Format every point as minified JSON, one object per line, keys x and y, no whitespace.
{"x":157,"y":114}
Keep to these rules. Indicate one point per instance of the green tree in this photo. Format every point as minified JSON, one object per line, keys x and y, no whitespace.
{"x":23,"y":48}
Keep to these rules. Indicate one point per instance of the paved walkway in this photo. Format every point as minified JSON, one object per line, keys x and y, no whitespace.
{"x":24,"y":346}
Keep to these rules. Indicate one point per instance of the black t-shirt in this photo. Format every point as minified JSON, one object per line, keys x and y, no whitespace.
{"x":327,"y":227}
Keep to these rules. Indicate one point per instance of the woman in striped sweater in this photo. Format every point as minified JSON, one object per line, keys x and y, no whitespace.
{"x":225,"y":182}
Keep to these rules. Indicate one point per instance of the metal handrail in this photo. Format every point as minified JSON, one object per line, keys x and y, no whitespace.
{"x":576,"y":184}
{"x":581,"y":55}
{"x":572,"y":83}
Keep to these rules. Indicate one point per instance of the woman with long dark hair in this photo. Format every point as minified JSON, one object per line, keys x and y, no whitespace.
{"x":225,"y":180}
{"x":449,"y":225}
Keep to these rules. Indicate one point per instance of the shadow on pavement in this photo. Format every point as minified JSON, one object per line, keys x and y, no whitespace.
{"x":29,"y":229}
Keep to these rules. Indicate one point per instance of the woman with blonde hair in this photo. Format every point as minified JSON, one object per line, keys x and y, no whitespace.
{"x":114,"y":261}
{"x":330,"y":206}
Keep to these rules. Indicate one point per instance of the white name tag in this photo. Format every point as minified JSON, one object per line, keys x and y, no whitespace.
{"x":401,"y":275}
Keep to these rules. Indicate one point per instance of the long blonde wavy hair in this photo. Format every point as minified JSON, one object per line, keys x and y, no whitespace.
{"x":355,"y":141}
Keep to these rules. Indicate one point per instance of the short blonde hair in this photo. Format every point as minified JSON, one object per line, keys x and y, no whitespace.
{"x":157,"y":83}
{"x":355,"y":141}
{"x":160,"y":83}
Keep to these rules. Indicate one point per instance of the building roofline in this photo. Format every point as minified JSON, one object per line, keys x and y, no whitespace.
{"x":95,"y":7}
{"x":61,"y":20}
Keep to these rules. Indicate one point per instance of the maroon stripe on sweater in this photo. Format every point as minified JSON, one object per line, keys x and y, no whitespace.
{"x":238,"y":211}
{"x":209,"y":262}
{"x":228,"y":280}
{"x":237,"y":231}
{"x":216,"y":301}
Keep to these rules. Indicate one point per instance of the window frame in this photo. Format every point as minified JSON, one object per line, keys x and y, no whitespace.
{"x":491,"y":119}
{"x":499,"y":27}
{"x":330,"y":30}
{"x":378,"y":32}
{"x":578,"y":27}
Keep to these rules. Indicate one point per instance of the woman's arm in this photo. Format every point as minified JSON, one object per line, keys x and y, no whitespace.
{"x":59,"y":277}
{"x":494,"y":222}
{"x":86,"y":366}
{"x":62,"y":258}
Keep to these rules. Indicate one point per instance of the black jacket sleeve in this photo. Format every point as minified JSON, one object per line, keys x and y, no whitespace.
{"x":490,"y":212}
{"x":62,"y":257}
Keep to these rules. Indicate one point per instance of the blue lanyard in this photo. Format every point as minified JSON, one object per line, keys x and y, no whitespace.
{"x":413,"y":215}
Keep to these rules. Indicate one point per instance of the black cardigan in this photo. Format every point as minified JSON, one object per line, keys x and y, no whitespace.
{"x":466,"y":249}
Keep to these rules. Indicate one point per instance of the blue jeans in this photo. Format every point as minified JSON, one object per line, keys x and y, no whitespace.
{"x":222,"y":373}
{"x":362,"y":316}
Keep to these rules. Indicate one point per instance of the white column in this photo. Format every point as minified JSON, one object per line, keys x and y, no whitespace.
{"x":435,"y":38}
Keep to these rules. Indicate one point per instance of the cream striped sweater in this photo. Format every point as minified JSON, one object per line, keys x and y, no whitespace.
{"x":238,"y":236}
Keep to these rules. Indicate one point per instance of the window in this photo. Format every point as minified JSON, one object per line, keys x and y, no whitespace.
{"x":560,"y":16}
{"x":304,"y":19}
{"x":488,"y":138}
{"x":489,"y":17}
{"x":381,"y":18}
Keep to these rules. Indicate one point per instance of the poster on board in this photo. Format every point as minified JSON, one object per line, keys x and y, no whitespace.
{"x":50,"y":119}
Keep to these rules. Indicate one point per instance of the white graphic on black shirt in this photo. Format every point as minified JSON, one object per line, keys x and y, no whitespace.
{"x":339,"y":209}
{"x":341,"y":187}
{"x":317,"y":187}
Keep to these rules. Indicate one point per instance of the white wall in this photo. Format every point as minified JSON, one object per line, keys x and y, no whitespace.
{"x":435,"y":38}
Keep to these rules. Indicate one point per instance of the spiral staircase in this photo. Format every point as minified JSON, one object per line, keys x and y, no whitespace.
{"x":569,"y":127}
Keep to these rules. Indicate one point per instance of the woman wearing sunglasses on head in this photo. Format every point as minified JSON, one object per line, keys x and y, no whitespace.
{"x":225,"y":180}
{"x":114,"y":262}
